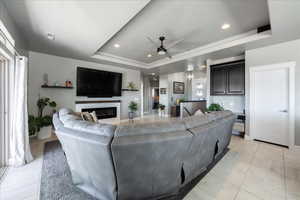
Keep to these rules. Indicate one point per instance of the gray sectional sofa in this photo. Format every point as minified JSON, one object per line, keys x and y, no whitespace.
{"x":141,"y":161}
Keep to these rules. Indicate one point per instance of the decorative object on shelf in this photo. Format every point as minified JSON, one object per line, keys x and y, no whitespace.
{"x":68,"y":83}
{"x":56,"y":83}
{"x":163,"y":90}
{"x":131,"y":86}
{"x":57,"y":87}
{"x":45,"y":79}
{"x":214,"y":107}
{"x":41,"y":124}
{"x":178,"y":87}
{"x":133,"y":107}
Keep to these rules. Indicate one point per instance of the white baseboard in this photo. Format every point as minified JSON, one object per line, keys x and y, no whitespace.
{"x":247,"y":137}
{"x":295,"y":148}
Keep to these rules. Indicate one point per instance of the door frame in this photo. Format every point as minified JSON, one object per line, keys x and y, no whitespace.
{"x":291,"y":71}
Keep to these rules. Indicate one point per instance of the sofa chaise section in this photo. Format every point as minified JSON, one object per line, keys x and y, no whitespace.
{"x":87,"y":149}
{"x":211,"y":136}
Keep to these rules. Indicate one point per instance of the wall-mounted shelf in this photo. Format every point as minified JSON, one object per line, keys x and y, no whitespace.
{"x":131,"y":90}
{"x":55,"y":86}
{"x":98,"y":101}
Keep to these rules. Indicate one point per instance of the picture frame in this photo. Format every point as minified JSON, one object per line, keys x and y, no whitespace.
{"x":178,"y":87}
{"x":163,"y":90}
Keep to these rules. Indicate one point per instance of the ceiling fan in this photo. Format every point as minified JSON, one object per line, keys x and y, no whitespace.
{"x":163,"y":49}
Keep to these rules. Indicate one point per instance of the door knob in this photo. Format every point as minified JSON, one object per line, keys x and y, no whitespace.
{"x":284,"y":111}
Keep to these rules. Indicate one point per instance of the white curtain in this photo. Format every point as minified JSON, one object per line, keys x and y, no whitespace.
{"x":18,"y":129}
{"x":3,"y":118}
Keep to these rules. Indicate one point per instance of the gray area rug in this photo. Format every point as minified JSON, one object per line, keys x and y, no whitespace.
{"x":56,"y":181}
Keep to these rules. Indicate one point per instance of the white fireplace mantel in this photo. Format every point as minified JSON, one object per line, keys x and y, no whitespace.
{"x":79,"y":105}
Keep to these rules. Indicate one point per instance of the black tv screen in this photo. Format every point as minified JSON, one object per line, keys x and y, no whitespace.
{"x":97,"y":83}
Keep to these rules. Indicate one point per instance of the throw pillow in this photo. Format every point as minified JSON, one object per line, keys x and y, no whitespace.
{"x":198,"y":113}
{"x":86,"y":116}
{"x":94,"y":116}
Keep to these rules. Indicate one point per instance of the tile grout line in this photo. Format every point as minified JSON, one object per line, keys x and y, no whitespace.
{"x":244,"y":179}
{"x":284,"y":175}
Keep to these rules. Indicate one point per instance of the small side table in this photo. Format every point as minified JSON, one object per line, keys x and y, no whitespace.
{"x":175,"y":111}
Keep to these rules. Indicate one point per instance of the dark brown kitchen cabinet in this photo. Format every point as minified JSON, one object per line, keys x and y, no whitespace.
{"x":218,"y":81}
{"x":228,"y":79}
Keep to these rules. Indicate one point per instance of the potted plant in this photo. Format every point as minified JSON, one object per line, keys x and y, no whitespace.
{"x":133,"y":107}
{"x":32,"y":125}
{"x":131,"y":86}
{"x":161,"y":109}
{"x":214,"y":107}
{"x":41,"y":124}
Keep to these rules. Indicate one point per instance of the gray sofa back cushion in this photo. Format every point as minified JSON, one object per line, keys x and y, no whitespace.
{"x":150,"y":128}
{"x":195,"y":121}
{"x":218,"y":114}
{"x":73,"y":121}
{"x":149,"y":165}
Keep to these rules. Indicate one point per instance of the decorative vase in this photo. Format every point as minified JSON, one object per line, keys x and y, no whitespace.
{"x":44,"y":133}
{"x":131,"y":115}
{"x":161,"y":112}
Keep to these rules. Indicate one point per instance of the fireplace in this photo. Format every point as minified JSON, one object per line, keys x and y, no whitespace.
{"x":107,"y":111}
{"x":103,"y":113}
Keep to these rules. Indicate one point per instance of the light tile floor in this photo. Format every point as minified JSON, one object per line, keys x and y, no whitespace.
{"x":252,"y":170}
{"x":249,"y":171}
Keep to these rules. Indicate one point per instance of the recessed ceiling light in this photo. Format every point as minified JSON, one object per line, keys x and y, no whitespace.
{"x":225,"y":26}
{"x":116,"y":45}
{"x":152,"y":74}
{"x":149,"y":55}
{"x":50,"y":36}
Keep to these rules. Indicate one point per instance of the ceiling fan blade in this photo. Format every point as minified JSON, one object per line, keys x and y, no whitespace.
{"x":173,"y":44}
{"x":168,"y":55}
{"x":152,"y":41}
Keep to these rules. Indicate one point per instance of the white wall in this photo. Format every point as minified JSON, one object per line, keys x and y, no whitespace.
{"x":234,"y":103}
{"x":164,"y":98}
{"x":283,"y":52}
{"x":166,"y":81}
{"x":199,"y":79}
{"x":61,"y":69}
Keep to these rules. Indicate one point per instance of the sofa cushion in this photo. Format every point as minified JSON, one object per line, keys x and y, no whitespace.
{"x":195,"y":121}
{"x":219,"y":114}
{"x":150,"y":128}
{"x":73,"y":121}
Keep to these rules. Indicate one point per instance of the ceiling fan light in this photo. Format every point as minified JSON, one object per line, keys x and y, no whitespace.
{"x":161,"y":52}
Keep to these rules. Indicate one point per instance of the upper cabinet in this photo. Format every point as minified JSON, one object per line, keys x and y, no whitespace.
{"x":227,"y":79}
{"x":218,"y":81}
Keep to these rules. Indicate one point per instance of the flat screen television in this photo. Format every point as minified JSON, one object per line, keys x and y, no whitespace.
{"x":97,"y":83}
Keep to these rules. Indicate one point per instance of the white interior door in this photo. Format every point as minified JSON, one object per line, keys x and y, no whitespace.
{"x":270,"y":105}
